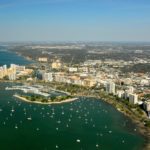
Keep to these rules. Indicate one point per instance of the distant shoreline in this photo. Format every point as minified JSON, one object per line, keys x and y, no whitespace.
{"x":38,"y":102}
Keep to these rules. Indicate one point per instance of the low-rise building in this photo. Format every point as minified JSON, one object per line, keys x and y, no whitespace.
{"x":42,"y":59}
{"x":73,"y":69}
{"x":48,"y":77}
{"x":89,"y":82}
{"x":56,"y":65}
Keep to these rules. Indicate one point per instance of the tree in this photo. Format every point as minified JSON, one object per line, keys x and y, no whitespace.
{"x":6,"y":78}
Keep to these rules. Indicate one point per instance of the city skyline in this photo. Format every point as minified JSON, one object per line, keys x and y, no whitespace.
{"x":74,"y":20}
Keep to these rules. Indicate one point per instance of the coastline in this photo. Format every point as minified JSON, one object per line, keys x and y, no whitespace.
{"x":141,"y":129}
{"x":37,"y":102}
{"x":25,"y":57}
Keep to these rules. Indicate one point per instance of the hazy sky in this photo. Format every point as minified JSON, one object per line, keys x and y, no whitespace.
{"x":61,"y":20}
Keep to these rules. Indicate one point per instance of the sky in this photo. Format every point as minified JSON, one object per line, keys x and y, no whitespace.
{"x":74,"y":20}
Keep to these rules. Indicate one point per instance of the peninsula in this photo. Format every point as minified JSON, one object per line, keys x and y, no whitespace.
{"x":42,"y":100}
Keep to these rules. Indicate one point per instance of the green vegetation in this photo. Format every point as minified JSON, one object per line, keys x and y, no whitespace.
{"x":61,"y":98}
{"x":147,"y":96}
{"x":43,"y":99}
{"x":142,"y":68}
{"x":23,"y":78}
{"x":147,"y":123}
{"x":6,"y":78}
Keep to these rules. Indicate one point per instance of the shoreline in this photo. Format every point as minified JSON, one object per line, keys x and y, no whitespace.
{"x":42,"y":103}
{"x":141,"y":129}
{"x":25,"y":57}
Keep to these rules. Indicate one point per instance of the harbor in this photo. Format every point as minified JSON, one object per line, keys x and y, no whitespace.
{"x":86,"y":123}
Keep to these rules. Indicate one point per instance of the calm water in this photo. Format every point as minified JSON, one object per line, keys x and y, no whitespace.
{"x":86,"y":124}
{"x":9,"y":57}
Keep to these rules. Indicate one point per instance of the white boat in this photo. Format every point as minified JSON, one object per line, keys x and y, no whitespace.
{"x":97,"y":145}
{"x":37,"y":129}
{"x":16,"y":127}
{"x":29,"y":118}
{"x":12,"y":110}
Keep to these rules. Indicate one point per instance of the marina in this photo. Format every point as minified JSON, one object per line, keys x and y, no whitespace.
{"x":82,"y":124}
{"x":36,"y":89}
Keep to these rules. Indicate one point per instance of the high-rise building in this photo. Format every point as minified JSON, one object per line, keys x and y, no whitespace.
{"x":43,"y":59}
{"x":120,"y":93}
{"x":133,"y":98}
{"x":147,"y":105}
{"x":110,"y":88}
{"x":3,"y":71}
{"x":12,"y":76}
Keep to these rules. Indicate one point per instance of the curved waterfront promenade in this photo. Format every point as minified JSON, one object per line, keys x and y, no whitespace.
{"x":38,"y":102}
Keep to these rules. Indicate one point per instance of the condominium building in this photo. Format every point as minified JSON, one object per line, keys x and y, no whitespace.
{"x":133,"y":98}
{"x":110,"y":88}
{"x":147,"y":105}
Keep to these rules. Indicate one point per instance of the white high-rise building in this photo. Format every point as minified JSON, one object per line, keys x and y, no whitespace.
{"x":120,"y":93}
{"x":12,"y":76}
{"x":110,"y":88}
{"x":133,"y":98}
{"x":12,"y":66}
{"x":147,"y":105}
{"x":5,"y":67}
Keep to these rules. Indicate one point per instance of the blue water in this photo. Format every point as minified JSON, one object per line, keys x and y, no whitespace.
{"x":8,"y":58}
{"x":85,"y":124}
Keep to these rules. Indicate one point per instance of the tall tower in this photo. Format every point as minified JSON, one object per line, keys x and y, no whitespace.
{"x":110,"y":88}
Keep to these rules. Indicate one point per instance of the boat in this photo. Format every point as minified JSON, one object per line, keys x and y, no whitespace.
{"x":37,"y":129}
{"x":12,"y":110}
{"x":29,"y":118}
{"x":16,"y":127}
{"x":97,"y":145}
